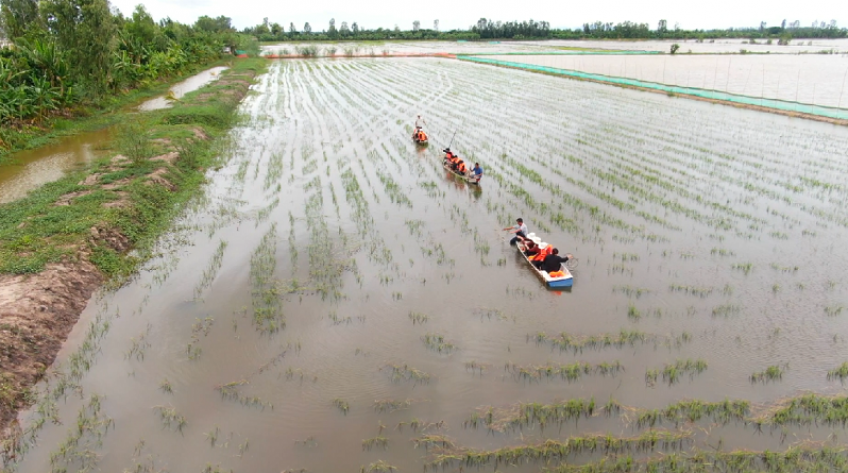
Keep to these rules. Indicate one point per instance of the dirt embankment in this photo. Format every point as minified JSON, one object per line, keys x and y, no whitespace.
{"x":116,"y":205}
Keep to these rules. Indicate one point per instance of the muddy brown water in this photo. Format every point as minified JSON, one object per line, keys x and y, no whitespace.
{"x":180,"y":89}
{"x":32,"y":168}
{"x":322,"y":191}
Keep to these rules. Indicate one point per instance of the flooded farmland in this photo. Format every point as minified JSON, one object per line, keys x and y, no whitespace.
{"x":337,"y":302}
{"x":810,"y":79}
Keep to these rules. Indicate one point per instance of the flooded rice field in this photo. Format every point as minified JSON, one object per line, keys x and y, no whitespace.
{"x":719,"y":46}
{"x":180,"y":89}
{"x":809,"y":79}
{"x":337,"y":302}
{"x":32,"y":168}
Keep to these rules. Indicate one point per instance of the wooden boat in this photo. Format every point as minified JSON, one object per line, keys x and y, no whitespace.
{"x":562,"y":281}
{"x":466,"y":178}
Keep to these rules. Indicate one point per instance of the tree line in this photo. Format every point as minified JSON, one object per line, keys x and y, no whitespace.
{"x":487,"y":29}
{"x":66,"y":53}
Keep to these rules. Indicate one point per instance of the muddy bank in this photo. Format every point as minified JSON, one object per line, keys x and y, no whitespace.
{"x":60,"y":244}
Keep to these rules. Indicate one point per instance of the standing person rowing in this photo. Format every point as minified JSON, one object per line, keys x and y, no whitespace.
{"x":420,"y":122}
{"x":520,"y":230}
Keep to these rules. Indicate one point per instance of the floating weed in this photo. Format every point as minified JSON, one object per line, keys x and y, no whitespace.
{"x":438,"y":343}
{"x":839,"y":373}
{"x":342,"y":405}
{"x":772,"y":373}
{"x":378,"y":441}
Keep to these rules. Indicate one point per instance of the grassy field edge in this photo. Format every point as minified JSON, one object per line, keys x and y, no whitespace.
{"x":66,"y":239}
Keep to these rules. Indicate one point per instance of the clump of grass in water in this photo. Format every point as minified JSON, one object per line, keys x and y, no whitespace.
{"x":693,"y":411}
{"x":342,"y":405}
{"x":418,"y":318}
{"x":671,"y":373}
{"x":378,"y":467}
{"x":527,"y":414}
{"x":390,"y":405}
{"x":438,"y":343}
{"x":744,"y":267}
{"x":418,"y":425}
{"x":833,"y":310}
{"x":406,"y":373}
{"x":378,"y":441}
{"x":840,"y":373}
{"x":557,"y":451}
{"x":576,"y":343}
{"x":570,"y":372}
{"x":772,"y":373}
{"x":165,"y":386}
{"x":170,"y":417}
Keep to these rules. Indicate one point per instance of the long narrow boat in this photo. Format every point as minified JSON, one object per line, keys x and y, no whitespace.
{"x":562,"y":281}
{"x":467,"y":179}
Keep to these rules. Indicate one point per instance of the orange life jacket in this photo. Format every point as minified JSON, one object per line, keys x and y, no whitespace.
{"x":557,"y":274}
{"x":422,"y":136}
{"x":461,"y":167}
{"x":542,"y":253}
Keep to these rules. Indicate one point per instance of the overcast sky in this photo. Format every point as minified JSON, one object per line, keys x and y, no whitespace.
{"x":461,"y":14}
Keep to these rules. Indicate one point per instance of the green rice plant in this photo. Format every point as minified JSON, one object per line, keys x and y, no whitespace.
{"x":378,"y":441}
{"x":577,"y":343}
{"x":390,"y":405}
{"x":633,"y":313}
{"x":434,"y":441}
{"x":693,"y":411}
{"x":807,"y":409}
{"x":833,"y":310}
{"x":170,"y":417}
{"x":840,"y":373}
{"x":438,"y":343}
{"x":342,"y":405}
{"x":772,"y":373}
{"x":671,"y":373}
{"x":569,"y":372}
{"x":165,"y":386}
{"x":524,"y":415}
{"x":418,"y":318}
{"x":406,"y":373}
{"x":726,"y":310}
{"x":744,"y":267}
{"x":379,"y":467}
{"x":212,"y":436}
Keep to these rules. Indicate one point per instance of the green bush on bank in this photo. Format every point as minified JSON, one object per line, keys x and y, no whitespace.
{"x":35,"y":231}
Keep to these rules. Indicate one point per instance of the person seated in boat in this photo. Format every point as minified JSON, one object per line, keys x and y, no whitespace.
{"x":448,"y":155}
{"x":531,"y":249}
{"x":520,"y":230}
{"x":478,"y":172}
{"x":422,"y":136}
{"x":552,"y":262}
{"x":460,"y":167}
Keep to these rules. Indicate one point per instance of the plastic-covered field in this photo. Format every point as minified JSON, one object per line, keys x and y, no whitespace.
{"x":817,"y":84}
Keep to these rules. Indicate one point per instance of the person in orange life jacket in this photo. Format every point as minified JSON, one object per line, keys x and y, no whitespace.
{"x":421,"y":135}
{"x":449,"y":156}
{"x":530,"y":248}
{"x":552,"y":262}
{"x":460,"y":167}
{"x":520,"y":231}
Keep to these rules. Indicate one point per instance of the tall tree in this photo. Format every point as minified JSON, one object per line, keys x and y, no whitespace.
{"x":85,"y":31}
{"x":344,"y":30}
{"x":332,"y":32}
{"x":355,"y":28}
{"x":306,"y":28}
{"x":416,"y":25}
{"x":292,"y":29}
{"x":435,"y":25}
{"x":17,"y":17}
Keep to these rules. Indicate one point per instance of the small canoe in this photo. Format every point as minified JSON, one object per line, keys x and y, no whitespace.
{"x":418,"y":142}
{"x":467,"y":179}
{"x":562,"y":281}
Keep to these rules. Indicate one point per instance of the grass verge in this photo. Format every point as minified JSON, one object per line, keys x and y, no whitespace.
{"x":64,"y":239}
